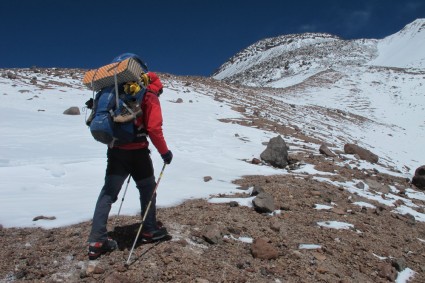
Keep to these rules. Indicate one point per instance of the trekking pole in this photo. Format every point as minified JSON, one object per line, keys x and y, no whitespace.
{"x":146,"y":213}
{"x":122,"y":200}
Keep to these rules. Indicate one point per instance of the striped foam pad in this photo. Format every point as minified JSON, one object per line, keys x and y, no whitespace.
{"x":127,"y":71}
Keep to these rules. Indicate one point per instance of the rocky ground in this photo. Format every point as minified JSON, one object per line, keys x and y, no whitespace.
{"x":207,"y":241}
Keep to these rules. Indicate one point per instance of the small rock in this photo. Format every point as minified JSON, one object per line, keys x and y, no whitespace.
{"x":319,"y":256}
{"x":256,"y":161}
{"x":338,"y":211}
{"x":98,"y":270}
{"x":42,"y":217}
{"x":398,"y":203}
{"x":91,"y":267}
{"x":360,"y":185}
{"x":322,"y":270}
{"x":121,"y":268}
{"x":212,"y":234}
{"x":207,"y":178}
{"x":262,"y":249}
{"x":385,"y":270}
{"x":83,"y":274}
{"x":257,"y":190}
{"x":72,"y":111}
{"x":326,"y":151}
{"x":399,"y":264}
{"x":233,"y":204}
{"x":182,"y":242}
{"x":296,"y":254}
{"x":179,"y":100}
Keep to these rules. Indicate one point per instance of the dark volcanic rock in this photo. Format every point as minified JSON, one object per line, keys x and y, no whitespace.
{"x":419,"y":178}
{"x":276,"y":153}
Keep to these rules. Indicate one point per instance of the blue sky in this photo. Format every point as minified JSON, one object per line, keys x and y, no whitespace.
{"x":184,"y":37}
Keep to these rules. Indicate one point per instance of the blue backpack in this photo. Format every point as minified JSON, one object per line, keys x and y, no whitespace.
{"x":114,"y":110}
{"x":113,"y":117}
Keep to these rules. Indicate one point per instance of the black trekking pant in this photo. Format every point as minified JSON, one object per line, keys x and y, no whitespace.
{"x":122,"y":163}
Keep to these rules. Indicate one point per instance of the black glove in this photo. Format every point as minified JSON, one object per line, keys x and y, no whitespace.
{"x":167,"y":157}
{"x":89,"y":103}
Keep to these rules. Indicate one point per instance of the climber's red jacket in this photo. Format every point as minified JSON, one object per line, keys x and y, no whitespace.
{"x":151,"y":120}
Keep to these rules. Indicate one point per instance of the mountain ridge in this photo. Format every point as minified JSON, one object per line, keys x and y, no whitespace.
{"x":310,"y":53}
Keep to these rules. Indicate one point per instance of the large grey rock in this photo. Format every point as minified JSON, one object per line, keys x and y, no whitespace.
{"x":263,"y":203}
{"x":276,"y":153}
{"x":363,"y":153}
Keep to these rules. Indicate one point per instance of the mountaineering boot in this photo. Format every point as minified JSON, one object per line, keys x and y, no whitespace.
{"x":158,"y":234}
{"x":96,"y":249}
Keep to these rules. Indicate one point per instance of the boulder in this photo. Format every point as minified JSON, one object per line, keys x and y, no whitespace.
{"x":276,"y":153}
{"x":263,"y":203}
{"x":419,"y":178}
{"x":363,"y":153}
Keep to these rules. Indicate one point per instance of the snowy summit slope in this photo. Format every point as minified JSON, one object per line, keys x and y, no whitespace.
{"x":404,"y":49}
{"x":351,"y":76}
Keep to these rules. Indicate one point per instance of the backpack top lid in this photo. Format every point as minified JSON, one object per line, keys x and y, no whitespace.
{"x":124,"y":56}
